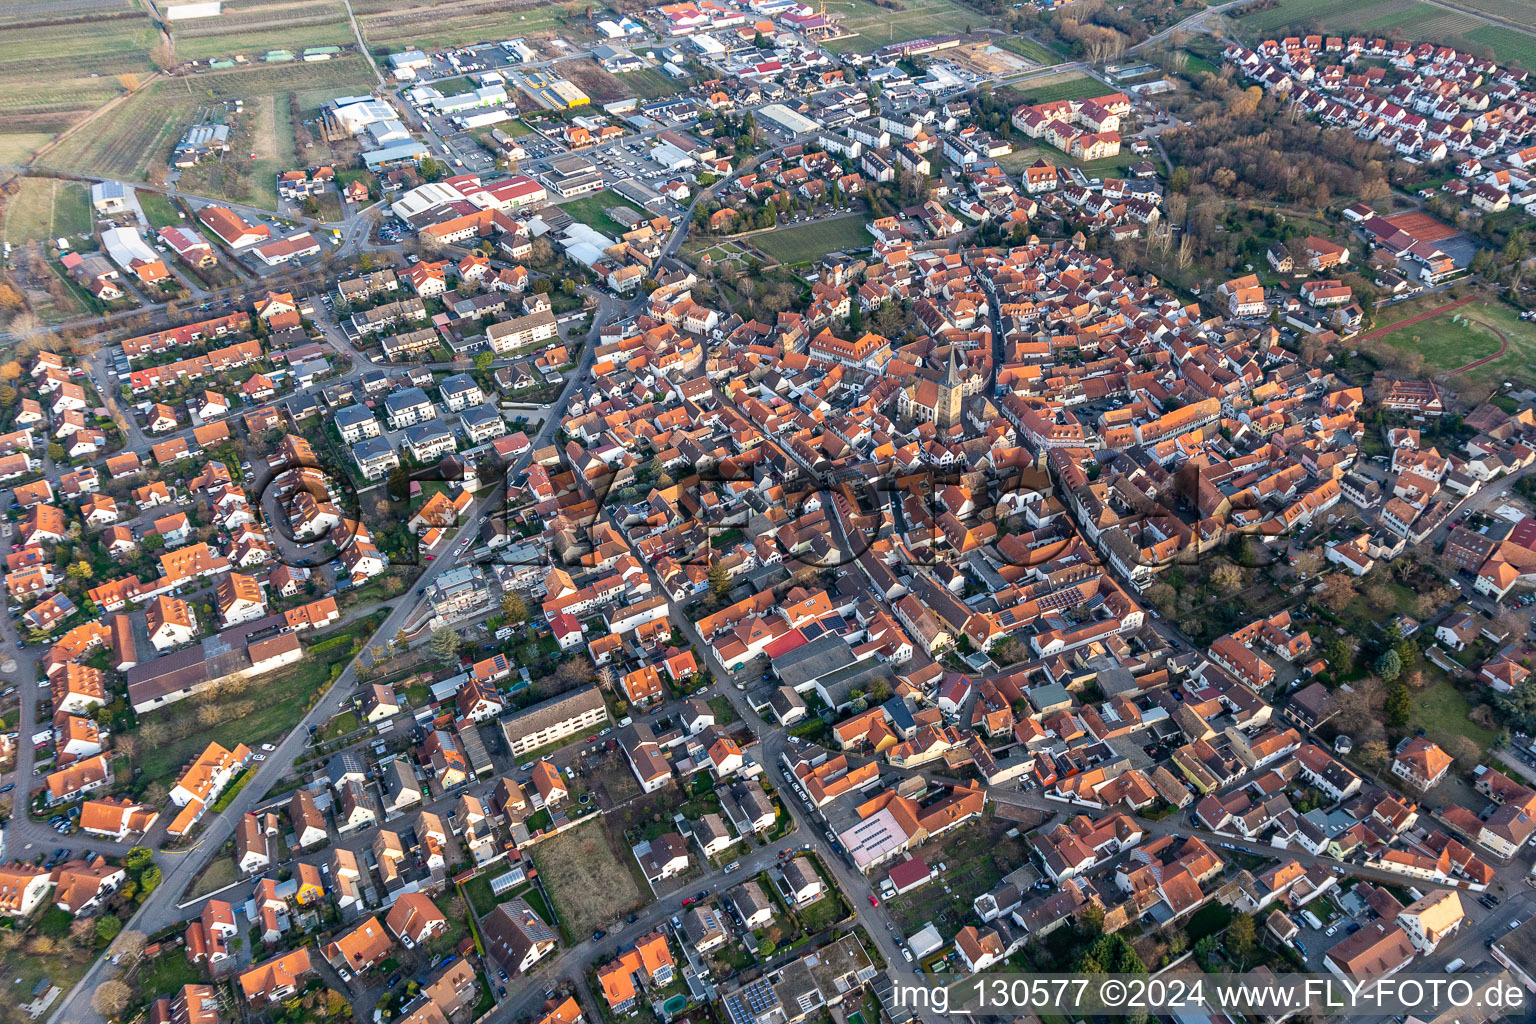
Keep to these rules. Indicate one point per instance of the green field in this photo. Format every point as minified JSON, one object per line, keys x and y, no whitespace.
{"x":1441,"y":711}
{"x":807,"y":242}
{"x":45,"y":208}
{"x":51,"y":75}
{"x":158,"y":210}
{"x":1447,"y":345}
{"x":1510,"y":47}
{"x":605,"y":87}
{"x":913,"y":19}
{"x":589,"y":210}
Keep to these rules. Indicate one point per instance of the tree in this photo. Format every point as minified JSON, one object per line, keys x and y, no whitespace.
{"x":1241,"y":936}
{"x":149,"y":881}
{"x":719,"y":579}
{"x":402,"y":642}
{"x":1227,"y":577}
{"x":129,"y":81}
{"x":137,"y":859}
{"x":1399,"y":705}
{"x":1375,"y":753}
{"x":483,"y":360}
{"x":1390,"y":665}
{"x":107,"y":927}
{"x":445,"y":645}
{"x":130,"y":945}
{"x":110,"y":998}
{"x":1337,"y":591}
{"x":1092,"y":919}
{"x":514,"y":609}
{"x":399,"y":485}
{"x":79,"y":571}
{"x":1339,"y":655}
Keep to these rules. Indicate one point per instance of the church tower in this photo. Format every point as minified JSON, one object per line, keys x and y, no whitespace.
{"x":946,"y":410}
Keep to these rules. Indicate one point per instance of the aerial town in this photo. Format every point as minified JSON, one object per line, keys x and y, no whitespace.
{"x":739,"y":511}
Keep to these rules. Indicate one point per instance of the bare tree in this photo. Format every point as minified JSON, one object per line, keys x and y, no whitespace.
{"x":110,"y":998}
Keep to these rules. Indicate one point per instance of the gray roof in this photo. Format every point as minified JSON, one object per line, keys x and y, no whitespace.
{"x":372,"y":448}
{"x":406,"y":399}
{"x":353,"y":414}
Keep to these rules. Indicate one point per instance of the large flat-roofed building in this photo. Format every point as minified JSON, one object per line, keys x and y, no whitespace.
{"x":554,"y":720}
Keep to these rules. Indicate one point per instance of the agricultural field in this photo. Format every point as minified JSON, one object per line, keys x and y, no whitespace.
{"x":435,"y":26}
{"x":18,"y":147}
{"x":809,"y":241}
{"x":1411,"y":19}
{"x":44,"y":208}
{"x":590,"y":210}
{"x":253,"y":27}
{"x":52,"y":76}
{"x":605,"y":87}
{"x":588,"y":884}
{"x":137,"y":137}
{"x":906,"y":20}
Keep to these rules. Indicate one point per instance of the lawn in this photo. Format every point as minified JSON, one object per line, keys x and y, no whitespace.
{"x":45,"y":208}
{"x":163,"y":976}
{"x":910,"y":19}
{"x":22,"y":968}
{"x":158,"y":209}
{"x":254,"y":27}
{"x":809,"y":241}
{"x":1441,"y":711}
{"x":585,"y":879}
{"x":219,"y":873}
{"x":339,"y":725}
{"x":591,"y":210}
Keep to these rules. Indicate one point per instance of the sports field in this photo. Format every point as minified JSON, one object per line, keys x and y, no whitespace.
{"x":1465,"y":335}
{"x":907,"y":20}
{"x":810,"y":241}
{"x":45,"y":208}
